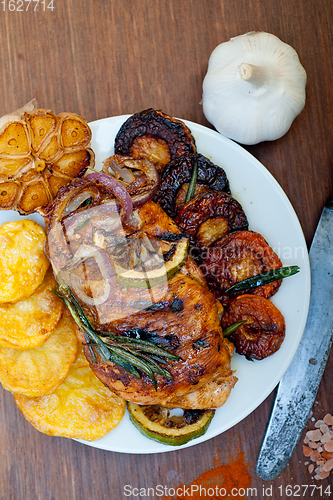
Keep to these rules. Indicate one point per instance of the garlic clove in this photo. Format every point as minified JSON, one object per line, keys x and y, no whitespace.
{"x":254,"y":88}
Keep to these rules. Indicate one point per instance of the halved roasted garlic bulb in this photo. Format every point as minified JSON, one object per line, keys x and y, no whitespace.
{"x":39,"y":153}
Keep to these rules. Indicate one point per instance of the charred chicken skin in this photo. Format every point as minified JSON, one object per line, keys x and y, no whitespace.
{"x":188,"y":324}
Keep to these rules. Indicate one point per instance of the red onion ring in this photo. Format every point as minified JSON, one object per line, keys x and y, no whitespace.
{"x":101,"y":212}
{"x":107,"y":271}
{"x":57,"y":248}
{"x":77,"y":201}
{"x":138,"y":183}
{"x":56,"y":241}
{"x":126,"y":174}
{"x":117,"y":189}
{"x":140,"y":199}
{"x":139,"y":190}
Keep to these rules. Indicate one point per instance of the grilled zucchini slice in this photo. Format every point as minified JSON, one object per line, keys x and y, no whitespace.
{"x":161,"y":425}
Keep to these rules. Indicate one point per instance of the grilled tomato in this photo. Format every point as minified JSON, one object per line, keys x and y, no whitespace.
{"x":39,"y":153}
{"x":236,"y":257}
{"x":263,"y":331}
{"x":154,"y":135}
{"x":177,"y":176}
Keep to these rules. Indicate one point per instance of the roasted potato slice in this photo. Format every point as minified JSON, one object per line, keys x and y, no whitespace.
{"x":263,"y":331}
{"x":176,"y":178}
{"x":48,"y":146}
{"x":81,"y":407}
{"x":156,"y":136}
{"x":29,"y":322}
{"x":39,"y":370}
{"x":236,"y":257}
{"x":23,"y":263}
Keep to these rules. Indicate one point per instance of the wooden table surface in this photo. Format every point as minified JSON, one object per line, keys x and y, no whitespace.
{"x":101,"y":58}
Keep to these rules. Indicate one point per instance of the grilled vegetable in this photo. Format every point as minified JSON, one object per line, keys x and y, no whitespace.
{"x":236,"y":257}
{"x":177,"y":176}
{"x":139,"y":176}
{"x":263,"y":330}
{"x":158,"y":423}
{"x":210,"y":217}
{"x":161,"y":270}
{"x":154,"y":135}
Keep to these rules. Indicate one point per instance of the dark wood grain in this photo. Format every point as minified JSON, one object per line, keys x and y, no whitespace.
{"x":101,"y":58}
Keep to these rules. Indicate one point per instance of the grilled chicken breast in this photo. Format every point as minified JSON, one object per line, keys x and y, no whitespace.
{"x":183,"y":313}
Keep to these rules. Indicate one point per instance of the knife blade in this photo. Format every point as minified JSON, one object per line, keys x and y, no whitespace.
{"x":298,"y":387}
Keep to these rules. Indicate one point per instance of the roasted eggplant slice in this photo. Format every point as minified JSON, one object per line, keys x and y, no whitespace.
{"x":154,"y":135}
{"x":211,"y":216}
{"x":263,"y":331}
{"x":177,"y":176}
{"x":236,"y":257}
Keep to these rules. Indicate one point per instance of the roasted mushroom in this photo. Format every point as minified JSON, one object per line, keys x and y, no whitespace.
{"x":39,"y":153}
{"x":154,"y":135}
{"x":236,"y":257}
{"x":177,"y":176}
{"x":210,"y":217}
{"x":263,"y":331}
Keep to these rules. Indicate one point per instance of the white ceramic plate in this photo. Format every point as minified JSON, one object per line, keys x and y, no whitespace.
{"x":270,"y":213}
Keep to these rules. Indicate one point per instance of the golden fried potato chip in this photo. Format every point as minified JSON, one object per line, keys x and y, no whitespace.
{"x":31,"y":321}
{"x":81,"y":407}
{"x":40,"y":370}
{"x":23,"y":263}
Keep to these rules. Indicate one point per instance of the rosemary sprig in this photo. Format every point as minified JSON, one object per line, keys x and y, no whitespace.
{"x":131,"y":354}
{"x":232,"y":328}
{"x":192,"y":184}
{"x":264,"y":278}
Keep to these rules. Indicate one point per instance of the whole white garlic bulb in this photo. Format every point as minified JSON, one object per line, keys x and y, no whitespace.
{"x":254,"y":88}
